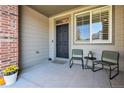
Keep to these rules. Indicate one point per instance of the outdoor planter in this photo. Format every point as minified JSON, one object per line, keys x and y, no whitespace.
{"x":10,"y":75}
{"x":11,"y":79}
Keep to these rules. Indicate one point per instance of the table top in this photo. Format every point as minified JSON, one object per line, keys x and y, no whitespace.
{"x":90,"y":58}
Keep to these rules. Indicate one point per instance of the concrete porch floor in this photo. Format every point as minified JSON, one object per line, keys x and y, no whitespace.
{"x":51,"y":75}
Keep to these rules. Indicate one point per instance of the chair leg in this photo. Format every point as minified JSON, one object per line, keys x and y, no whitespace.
{"x":71,"y":63}
{"x":118,"y":68}
{"x":93,"y":68}
{"x":110,"y":76}
{"x":82,"y":64}
{"x":110,"y":72}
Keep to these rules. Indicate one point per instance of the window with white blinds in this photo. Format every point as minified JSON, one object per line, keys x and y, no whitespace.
{"x":83,"y":27}
{"x":94,"y":26}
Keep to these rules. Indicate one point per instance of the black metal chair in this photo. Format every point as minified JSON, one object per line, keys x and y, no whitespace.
{"x":77,"y":54}
{"x":110,"y":59}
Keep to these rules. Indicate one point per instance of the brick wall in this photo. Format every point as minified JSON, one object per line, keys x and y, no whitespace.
{"x":8,"y":35}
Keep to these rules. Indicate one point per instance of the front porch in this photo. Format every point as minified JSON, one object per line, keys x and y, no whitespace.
{"x":36,"y":44}
{"x":55,"y":75}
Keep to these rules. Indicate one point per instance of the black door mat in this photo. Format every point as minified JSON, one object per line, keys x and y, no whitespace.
{"x":59,"y":62}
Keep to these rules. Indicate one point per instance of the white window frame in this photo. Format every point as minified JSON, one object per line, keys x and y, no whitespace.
{"x":109,"y":27}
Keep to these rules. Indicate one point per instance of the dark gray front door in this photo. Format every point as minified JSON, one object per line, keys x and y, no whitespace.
{"x":62,"y":41}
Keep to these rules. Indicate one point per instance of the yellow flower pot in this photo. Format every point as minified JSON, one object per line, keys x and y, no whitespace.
{"x":2,"y":82}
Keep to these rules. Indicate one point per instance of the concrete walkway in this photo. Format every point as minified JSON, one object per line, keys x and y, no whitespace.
{"x":52,"y":75}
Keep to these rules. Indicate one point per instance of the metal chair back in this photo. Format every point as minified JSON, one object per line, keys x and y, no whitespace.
{"x":110,"y":56}
{"x":77,"y":53}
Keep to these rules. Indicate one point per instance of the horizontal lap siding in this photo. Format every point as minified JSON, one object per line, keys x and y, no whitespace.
{"x":34,"y":37}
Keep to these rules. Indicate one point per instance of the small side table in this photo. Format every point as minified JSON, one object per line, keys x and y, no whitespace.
{"x":87,"y":59}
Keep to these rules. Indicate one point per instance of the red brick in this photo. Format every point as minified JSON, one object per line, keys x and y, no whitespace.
{"x":8,"y":44}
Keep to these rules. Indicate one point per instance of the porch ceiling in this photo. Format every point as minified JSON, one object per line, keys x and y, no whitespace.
{"x":50,"y":10}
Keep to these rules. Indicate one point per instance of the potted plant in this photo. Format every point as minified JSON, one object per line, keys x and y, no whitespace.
{"x":10,"y":74}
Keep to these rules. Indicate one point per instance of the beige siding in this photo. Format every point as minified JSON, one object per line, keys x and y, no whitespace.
{"x":118,"y":36}
{"x":119,"y":33}
{"x":34,"y":33}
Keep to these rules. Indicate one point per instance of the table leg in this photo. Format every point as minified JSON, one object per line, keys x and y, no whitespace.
{"x":93,"y":66}
{"x":86,"y":66}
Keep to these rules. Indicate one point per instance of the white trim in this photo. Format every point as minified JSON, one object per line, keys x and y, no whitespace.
{"x":95,"y":41}
{"x":110,"y":24}
{"x":90,"y":26}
